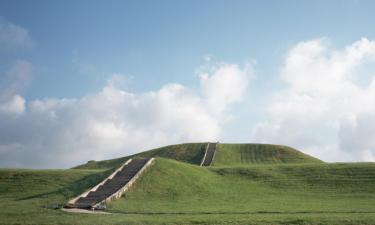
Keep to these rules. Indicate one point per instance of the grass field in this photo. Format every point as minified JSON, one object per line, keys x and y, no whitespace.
{"x":237,"y":190}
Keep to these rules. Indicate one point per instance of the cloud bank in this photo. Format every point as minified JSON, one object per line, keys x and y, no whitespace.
{"x":329,"y":95}
{"x":55,"y":133}
{"x":326,"y":107}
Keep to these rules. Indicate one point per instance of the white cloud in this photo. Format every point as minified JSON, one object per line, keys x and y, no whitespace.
{"x":322,"y":93}
{"x":13,"y":36}
{"x":15,"y":106}
{"x":226,"y":85}
{"x":358,"y":132}
{"x":115,"y":122}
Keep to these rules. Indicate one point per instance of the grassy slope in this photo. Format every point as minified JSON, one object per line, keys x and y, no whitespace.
{"x":189,"y":152}
{"x":26,"y":196}
{"x":249,"y":184}
{"x":266,"y":194}
{"x":227,"y":154}
{"x":176,"y":187}
{"x":240,"y":154}
{"x":278,"y":194}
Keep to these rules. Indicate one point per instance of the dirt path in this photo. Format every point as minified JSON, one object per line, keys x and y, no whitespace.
{"x":75,"y":210}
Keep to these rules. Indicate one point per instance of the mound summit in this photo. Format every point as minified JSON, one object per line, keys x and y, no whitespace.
{"x":226,"y":155}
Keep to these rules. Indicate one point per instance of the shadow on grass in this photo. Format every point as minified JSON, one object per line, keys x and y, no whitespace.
{"x":74,"y":188}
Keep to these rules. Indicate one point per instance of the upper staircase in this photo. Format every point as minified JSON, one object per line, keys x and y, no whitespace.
{"x":112,"y":187}
{"x":209,"y":154}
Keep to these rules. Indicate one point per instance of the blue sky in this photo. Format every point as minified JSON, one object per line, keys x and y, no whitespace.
{"x":159,"y":42}
{"x":73,"y":50}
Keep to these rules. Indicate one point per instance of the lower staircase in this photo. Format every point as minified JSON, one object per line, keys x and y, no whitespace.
{"x":112,"y":187}
{"x":209,"y":154}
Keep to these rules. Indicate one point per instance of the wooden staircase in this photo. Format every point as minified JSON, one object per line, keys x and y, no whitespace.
{"x":112,"y":187}
{"x":209,"y":154}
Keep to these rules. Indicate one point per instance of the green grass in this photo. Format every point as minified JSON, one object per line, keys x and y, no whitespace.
{"x":227,"y":154}
{"x":26,"y":195}
{"x":172,"y":192}
{"x":189,"y":153}
{"x":174,"y":187}
{"x":240,"y":154}
{"x":249,"y":184}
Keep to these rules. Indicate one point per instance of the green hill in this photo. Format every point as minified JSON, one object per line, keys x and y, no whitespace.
{"x":248,"y":184}
{"x":227,"y":154}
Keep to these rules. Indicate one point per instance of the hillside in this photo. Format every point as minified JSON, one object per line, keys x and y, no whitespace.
{"x":242,"y":154}
{"x":188,"y":152}
{"x":227,"y":154}
{"x":174,"y":187}
{"x":173,"y":192}
{"x":248,"y":184}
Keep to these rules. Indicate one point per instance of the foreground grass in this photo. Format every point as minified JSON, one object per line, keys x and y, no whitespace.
{"x":172,"y":192}
{"x":58,"y":217}
{"x":26,"y":195}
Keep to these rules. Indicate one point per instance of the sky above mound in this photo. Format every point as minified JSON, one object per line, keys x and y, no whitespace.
{"x":82,"y":80}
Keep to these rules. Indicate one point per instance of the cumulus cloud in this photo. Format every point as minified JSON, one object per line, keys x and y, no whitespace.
{"x":226,"y":85}
{"x":115,"y":122}
{"x":329,"y":95}
{"x":15,"y":106}
{"x":357,"y":132}
{"x":13,"y":36}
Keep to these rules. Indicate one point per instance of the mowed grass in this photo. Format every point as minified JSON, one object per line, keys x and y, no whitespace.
{"x":248,"y":184}
{"x":174,"y":187}
{"x":173,"y":192}
{"x":226,"y":154}
{"x":28,"y":196}
{"x":188,"y":152}
{"x":242,"y":154}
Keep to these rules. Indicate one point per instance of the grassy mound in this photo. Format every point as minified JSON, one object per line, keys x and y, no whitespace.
{"x":173,"y":192}
{"x":248,"y":184}
{"x":227,"y":154}
{"x":240,"y":154}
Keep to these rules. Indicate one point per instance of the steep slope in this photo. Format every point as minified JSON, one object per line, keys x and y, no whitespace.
{"x":188,"y":152}
{"x":242,"y":154}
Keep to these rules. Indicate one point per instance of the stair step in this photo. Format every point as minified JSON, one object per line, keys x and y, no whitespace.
{"x":111,"y":186}
{"x":209,"y":154}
